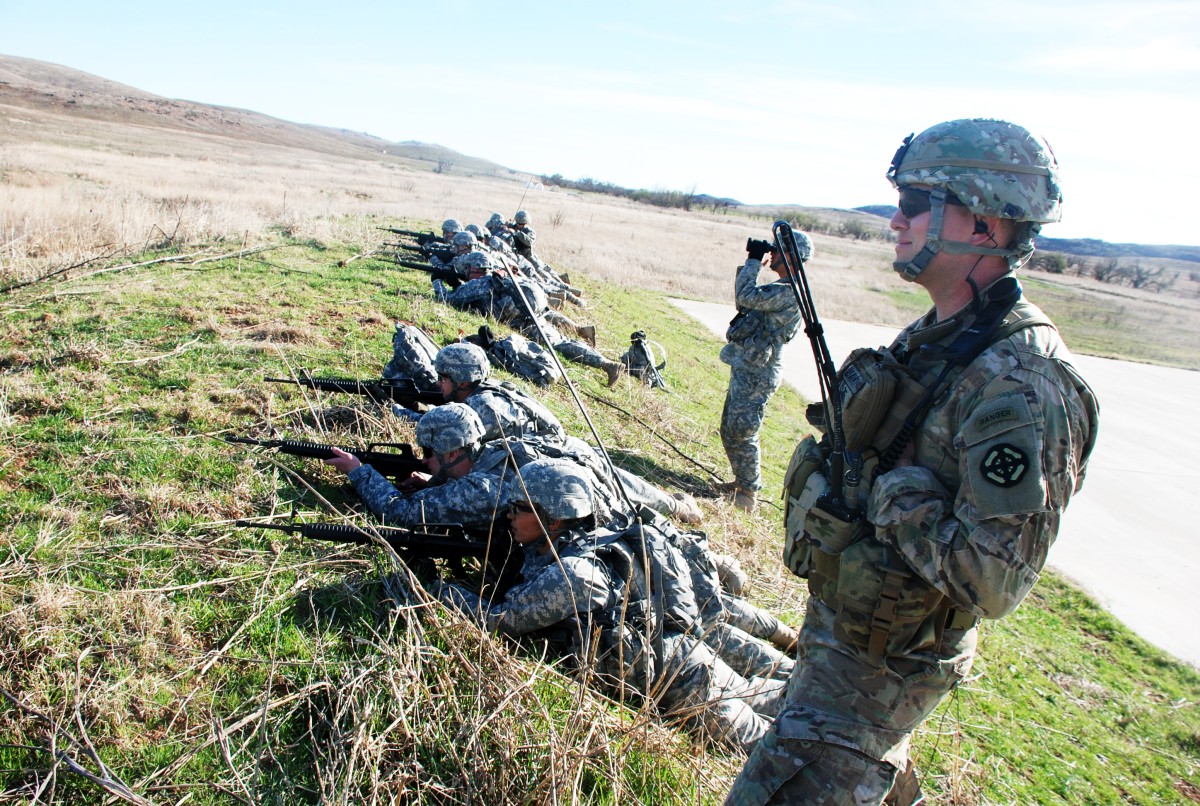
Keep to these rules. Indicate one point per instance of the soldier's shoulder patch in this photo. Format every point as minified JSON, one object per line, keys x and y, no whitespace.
{"x":1004,"y":465}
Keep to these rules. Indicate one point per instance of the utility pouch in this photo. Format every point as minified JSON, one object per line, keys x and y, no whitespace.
{"x":802,"y":486}
{"x":882,"y":607}
{"x":741,"y":327}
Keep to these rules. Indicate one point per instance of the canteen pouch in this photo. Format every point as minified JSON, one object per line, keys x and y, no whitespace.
{"x":802,"y":486}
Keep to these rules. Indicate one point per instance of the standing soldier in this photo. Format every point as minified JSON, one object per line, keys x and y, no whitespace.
{"x":976,"y":463}
{"x":766,"y":320}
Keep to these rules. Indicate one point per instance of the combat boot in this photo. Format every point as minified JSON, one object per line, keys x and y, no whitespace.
{"x":785,"y":638}
{"x":588,"y":334}
{"x":615,"y":370}
{"x":744,"y":499}
{"x":729,"y":572}
{"x":686,"y":510}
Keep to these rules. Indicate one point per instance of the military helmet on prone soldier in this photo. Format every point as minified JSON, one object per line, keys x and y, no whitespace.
{"x":462,"y":363}
{"x":473,"y":260}
{"x":521,"y":217}
{"x":995,"y":168}
{"x":464,"y":238}
{"x":495,"y":222}
{"x":451,"y":225}
{"x":448,"y":428}
{"x":557,"y":487}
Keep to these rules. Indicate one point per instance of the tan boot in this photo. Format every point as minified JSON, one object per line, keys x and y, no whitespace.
{"x":686,"y":509}
{"x":729,"y":572}
{"x":588,"y":334}
{"x":744,"y":499}
{"x":615,"y":370}
{"x":785,"y":638}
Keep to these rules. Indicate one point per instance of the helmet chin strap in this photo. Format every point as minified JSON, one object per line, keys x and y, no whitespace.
{"x":911,"y":269}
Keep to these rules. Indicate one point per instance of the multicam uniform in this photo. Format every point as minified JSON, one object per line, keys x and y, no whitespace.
{"x":768,"y":319}
{"x":959,"y":535}
{"x":571,"y":588}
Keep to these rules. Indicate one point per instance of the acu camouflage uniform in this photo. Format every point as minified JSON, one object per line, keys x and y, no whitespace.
{"x":959,"y":535}
{"x":767,"y":319}
{"x":576,"y":593}
{"x":730,"y":623}
{"x":412,"y":356}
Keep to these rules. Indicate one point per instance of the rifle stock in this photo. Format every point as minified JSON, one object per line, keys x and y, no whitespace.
{"x":398,"y":464}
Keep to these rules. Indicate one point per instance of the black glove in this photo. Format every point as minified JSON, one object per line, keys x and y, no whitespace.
{"x":755,"y":249}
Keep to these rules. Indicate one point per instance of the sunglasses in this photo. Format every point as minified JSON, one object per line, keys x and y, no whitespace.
{"x":518,"y":507}
{"x":914,"y":201}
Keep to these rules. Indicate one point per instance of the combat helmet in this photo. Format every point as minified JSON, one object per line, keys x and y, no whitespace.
{"x":521,"y":218}
{"x":464,"y":264}
{"x":462,"y":363}
{"x":994,"y":168}
{"x":464,"y":239}
{"x":450,"y":427}
{"x":451,"y":226}
{"x":496,"y":222}
{"x":557,"y":487}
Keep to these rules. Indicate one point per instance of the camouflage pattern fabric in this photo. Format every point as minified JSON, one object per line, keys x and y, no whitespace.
{"x":755,"y":357}
{"x":506,"y":411}
{"x":412,"y":356}
{"x":525,"y":358}
{"x":966,"y":529}
{"x":573,"y":588}
{"x":741,"y":417}
{"x":474,"y":499}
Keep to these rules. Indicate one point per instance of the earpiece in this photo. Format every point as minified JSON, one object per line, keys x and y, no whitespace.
{"x":981,"y":226}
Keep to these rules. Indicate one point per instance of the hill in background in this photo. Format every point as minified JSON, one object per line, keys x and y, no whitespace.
{"x":53,"y":88}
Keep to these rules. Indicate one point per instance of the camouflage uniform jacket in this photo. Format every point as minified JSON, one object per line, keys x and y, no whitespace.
{"x":476,"y":498}
{"x":483,"y":295}
{"x":966,"y":527}
{"x":556,"y":587}
{"x":506,"y":411}
{"x":768,"y":319}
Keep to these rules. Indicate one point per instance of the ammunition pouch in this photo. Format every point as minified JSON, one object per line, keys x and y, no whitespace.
{"x":878,"y":393}
{"x":803,"y":484}
{"x":881,"y":606}
{"x":741,"y":327}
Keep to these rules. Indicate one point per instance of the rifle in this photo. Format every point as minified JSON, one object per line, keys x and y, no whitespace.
{"x":446,"y":275}
{"x":453,"y":542}
{"x":397,"y":390}
{"x":444,"y":252}
{"x":845,"y":466}
{"x":399,"y":464}
{"x":422,"y":238}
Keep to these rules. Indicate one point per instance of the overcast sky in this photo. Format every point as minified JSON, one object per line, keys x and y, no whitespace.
{"x":766,"y":102}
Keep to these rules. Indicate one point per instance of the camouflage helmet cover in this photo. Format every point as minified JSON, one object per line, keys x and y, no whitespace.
{"x":521,"y":217}
{"x":495,"y":222}
{"x":464,"y":238}
{"x":558,"y":487}
{"x":448,"y":428}
{"x":994,"y":167}
{"x":462,"y":363}
{"x":451,"y":225}
{"x":473,"y":260}
{"x":475,"y":230}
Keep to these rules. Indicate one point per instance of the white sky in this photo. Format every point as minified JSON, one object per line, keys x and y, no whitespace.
{"x":766,"y":102}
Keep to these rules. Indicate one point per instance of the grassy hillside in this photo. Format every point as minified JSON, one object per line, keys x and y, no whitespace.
{"x":153,"y":652}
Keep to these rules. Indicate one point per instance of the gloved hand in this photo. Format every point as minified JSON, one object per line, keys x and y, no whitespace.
{"x":756,"y":249}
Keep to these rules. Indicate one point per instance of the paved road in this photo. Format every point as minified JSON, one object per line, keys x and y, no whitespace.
{"x":1125,"y":538}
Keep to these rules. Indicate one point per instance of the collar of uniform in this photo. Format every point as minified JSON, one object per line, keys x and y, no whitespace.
{"x":929,"y":330}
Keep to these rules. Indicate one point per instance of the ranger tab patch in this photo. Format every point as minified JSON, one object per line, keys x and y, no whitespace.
{"x":1004,"y":465}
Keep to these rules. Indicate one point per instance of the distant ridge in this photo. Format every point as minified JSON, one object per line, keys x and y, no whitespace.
{"x":39,"y":85}
{"x":1084,"y":247}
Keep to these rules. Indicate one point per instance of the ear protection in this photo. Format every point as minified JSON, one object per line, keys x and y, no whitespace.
{"x":981,"y":226}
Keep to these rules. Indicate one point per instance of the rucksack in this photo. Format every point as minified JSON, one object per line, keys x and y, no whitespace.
{"x":412,"y":356}
{"x":518,"y":355}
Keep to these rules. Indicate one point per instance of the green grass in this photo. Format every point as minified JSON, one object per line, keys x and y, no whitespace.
{"x":224,"y":665}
